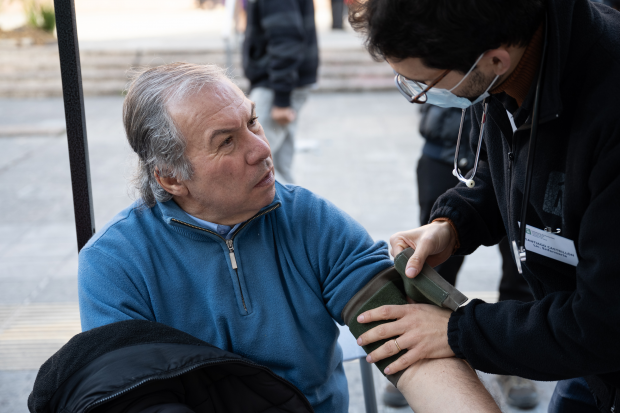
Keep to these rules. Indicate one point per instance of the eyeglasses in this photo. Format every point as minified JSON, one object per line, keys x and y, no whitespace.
{"x":413,"y":91}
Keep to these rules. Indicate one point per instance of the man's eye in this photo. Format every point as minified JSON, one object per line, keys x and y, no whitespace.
{"x":253,"y":121}
{"x":228,"y":141}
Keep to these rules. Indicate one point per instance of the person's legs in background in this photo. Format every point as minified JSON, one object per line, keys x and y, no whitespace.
{"x":434,"y":179}
{"x":281,"y":138}
{"x":337,"y":14}
{"x":517,"y":391}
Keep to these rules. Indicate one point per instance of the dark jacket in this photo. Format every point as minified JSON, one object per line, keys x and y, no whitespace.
{"x":573,"y":327}
{"x":280,"y":48}
{"x":440,"y":128}
{"x":138,"y":366}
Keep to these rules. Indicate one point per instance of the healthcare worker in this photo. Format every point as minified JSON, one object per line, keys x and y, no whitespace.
{"x":542,"y":81}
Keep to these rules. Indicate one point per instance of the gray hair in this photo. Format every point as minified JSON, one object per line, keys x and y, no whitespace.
{"x":150,"y":129}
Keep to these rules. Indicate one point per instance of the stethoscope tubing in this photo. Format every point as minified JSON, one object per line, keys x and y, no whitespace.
{"x":456,"y":171}
{"x":519,"y":244}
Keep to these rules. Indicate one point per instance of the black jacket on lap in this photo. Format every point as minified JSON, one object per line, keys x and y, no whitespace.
{"x":573,"y":327}
{"x":140,"y":366}
{"x":280,"y":49}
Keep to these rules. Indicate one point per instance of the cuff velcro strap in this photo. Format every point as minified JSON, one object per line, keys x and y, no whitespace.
{"x":428,"y":287}
{"x":386,"y":288}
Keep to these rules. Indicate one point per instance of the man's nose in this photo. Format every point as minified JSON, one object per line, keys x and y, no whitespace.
{"x":259,"y":149}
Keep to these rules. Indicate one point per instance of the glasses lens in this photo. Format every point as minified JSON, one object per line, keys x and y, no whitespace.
{"x":410,"y":89}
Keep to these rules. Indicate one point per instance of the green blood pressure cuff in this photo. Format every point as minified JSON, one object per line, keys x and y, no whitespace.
{"x":391,"y":287}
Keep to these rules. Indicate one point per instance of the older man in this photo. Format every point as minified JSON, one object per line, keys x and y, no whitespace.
{"x":216,"y":248}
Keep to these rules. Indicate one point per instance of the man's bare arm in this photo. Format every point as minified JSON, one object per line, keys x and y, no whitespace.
{"x":430,"y":384}
{"x":445,"y":385}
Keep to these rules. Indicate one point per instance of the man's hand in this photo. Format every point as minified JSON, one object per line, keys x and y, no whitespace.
{"x":283,"y":116}
{"x":420,"y":328}
{"x":433,"y":243}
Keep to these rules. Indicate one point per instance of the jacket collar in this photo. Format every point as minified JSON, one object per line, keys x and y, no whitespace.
{"x":570,"y":24}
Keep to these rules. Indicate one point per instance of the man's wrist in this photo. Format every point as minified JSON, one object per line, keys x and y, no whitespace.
{"x":456,"y":244}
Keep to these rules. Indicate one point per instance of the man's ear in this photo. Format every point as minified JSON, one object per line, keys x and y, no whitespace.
{"x":499,"y":60}
{"x":170,"y":184}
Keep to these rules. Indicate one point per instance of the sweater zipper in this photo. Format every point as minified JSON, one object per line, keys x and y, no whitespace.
{"x":233,"y":263}
{"x":230,"y":245}
{"x":187,"y":370}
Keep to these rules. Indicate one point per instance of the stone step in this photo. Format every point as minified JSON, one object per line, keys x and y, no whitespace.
{"x":35,"y":71}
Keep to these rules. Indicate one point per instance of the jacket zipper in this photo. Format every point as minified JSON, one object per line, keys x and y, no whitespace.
{"x":512,"y":161}
{"x":230,"y":245}
{"x":187,"y":370}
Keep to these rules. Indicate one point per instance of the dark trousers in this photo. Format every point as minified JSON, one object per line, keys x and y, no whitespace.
{"x":337,"y":14}
{"x":435,"y":178}
{"x":572,"y":396}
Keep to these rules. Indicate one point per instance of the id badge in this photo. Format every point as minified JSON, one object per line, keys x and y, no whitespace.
{"x":550,"y":245}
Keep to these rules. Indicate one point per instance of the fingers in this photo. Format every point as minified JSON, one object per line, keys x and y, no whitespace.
{"x":388,"y":349}
{"x":381,"y":332}
{"x":386,"y":312}
{"x":432,"y":243}
{"x":421,"y":329}
{"x":410,"y":357}
{"x":399,"y":242}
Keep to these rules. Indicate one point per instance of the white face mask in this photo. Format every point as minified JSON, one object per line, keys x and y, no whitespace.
{"x":444,"y":98}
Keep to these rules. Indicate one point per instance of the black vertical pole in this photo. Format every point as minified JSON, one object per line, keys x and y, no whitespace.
{"x":73,"y":96}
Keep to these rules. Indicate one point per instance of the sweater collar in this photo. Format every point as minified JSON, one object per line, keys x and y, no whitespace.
{"x":172,"y":212}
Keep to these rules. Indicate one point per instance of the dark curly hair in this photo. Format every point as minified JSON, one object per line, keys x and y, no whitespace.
{"x":445,"y":34}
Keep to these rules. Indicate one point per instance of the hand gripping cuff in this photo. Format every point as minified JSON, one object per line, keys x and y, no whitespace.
{"x":428,"y":287}
{"x":391,"y":287}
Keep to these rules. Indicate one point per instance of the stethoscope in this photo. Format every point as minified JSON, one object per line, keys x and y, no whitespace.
{"x":518,"y":246}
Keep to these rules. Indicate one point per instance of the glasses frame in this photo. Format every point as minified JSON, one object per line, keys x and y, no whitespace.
{"x":400,"y":79}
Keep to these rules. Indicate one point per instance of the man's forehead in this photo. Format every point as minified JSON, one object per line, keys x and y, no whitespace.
{"x":223,"y":96}
{"x":211,"y":106}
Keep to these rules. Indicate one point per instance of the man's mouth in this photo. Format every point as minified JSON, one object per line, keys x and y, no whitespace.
{"x":267,"y":180}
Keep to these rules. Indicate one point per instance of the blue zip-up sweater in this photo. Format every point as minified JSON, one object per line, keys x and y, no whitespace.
{"x":298,"y":262}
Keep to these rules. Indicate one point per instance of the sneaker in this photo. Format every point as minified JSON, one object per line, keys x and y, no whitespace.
{"x":393,"y":397}
{"x":518,"y":392}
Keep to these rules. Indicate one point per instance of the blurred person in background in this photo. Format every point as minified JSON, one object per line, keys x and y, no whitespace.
{"x":280,"y":59}
{"x":440,"y":129}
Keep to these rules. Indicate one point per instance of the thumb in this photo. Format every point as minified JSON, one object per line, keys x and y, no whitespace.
{"x":417,"y":260}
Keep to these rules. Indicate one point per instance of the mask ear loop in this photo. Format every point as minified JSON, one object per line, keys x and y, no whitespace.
{"x":467,"y":74}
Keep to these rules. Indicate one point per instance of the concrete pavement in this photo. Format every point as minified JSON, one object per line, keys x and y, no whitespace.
{"x":358,"y":150}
